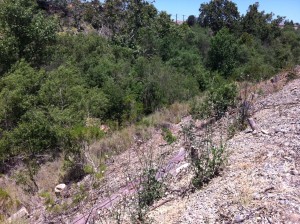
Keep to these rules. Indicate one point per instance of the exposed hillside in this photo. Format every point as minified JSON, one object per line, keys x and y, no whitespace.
{"x":110,"y":111}
{"x":259,"y":184}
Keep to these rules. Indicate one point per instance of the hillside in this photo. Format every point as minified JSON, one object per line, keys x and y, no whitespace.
{"x":112,"y":112}
{"x":259,"y":184}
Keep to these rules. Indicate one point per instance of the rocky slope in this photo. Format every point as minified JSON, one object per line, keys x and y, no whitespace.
{"x":260,"y":182}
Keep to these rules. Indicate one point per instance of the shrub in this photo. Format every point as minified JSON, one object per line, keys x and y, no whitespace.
{"x":150,"y":190}
{"x":220,"y":96}
{"x":206,"y":158}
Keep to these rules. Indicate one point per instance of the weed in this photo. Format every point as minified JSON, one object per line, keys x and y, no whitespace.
{"x":168,"y":136}
{"x":88,"y":169}
{"x":57,"y":209}
{"x":49,"y":201}
{"x":260,"y":92}
{"x":80,"y":195}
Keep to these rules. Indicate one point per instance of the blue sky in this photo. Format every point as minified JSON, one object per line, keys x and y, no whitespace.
{"x":288,"y":8}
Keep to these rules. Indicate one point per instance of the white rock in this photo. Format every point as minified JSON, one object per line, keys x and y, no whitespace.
{"x":264,"y":132}
{"x":59,"y":188}
{"x":182,"y":167}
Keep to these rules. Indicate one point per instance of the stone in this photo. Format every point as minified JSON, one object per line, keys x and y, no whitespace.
{"x":239,"y":219}
{"x":294,"y":172}
{"x":256,"y":196}
{"x":182,"y":167}
{"x":264,"y":132}
{"x":21,"y":214}
{"x":59,"y":188}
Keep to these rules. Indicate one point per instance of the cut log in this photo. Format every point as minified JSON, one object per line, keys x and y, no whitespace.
{"x":252,"y":124}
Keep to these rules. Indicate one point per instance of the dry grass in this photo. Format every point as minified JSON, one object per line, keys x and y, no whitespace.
{"x":244,"y":191}
{"x":46,"y":179}
{"x":48,"y":175}
{"x":16,"y":197}
{"x":269,"y":86}
{"x":124,"y":139}
{"x":173,"y":114}
{"x":16,"y":221}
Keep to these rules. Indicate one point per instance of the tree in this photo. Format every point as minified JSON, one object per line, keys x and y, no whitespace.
{"x":18,"y":93}
{"x":261,"y":24}
{"x":63,"y":96}
{"x":222,"y":56}
{"x":218,"y":14}
{"x":25,"y":33}
{"x":126,"y":18}
{"x":191,"y":20}
{"x":92,"y":13}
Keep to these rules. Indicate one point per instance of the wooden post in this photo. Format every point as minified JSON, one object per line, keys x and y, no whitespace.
{"x":252,"y":124}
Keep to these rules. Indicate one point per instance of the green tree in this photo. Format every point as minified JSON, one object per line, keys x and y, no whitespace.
{"x":261,"y":24}
{"x":222,"y":56}
{"x":26,"y":32}
{"x":218,"y":14}
{"x":62,"y":95}
{"x":18,"y":93}
{"x":191,"y":20}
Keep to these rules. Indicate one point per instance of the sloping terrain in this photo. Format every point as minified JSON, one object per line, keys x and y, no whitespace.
{"x":260,"y":182}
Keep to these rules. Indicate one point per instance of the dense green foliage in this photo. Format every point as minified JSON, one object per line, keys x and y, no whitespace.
{"x":24,"y":33}
{"x":122,"y":60}
{"x":218,"y":14}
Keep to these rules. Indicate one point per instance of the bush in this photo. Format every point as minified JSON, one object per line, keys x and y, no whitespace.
{"x":206,"y":158}
{"x":220,"y":96}
{"x":150,"y":190}
{"x":208,"y":165}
